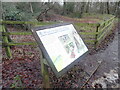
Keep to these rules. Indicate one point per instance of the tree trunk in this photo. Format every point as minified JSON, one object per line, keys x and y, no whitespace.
{"x":64,"y":7}
{"x":87,"y":7}
{"x":107,"y":5}
{"x":117,"y":10}
{"x":31,"y":8}
{"x":101,"y":8}
{"x":43,"y":13}
{"x":82,"y":8}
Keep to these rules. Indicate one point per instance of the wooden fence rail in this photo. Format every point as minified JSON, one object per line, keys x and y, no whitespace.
{"x":99,"y":34}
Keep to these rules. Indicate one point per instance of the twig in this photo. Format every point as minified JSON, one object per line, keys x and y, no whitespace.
{"x":91,"y":75}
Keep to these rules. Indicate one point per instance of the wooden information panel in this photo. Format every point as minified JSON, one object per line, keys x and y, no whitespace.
{"x":61,"y":46}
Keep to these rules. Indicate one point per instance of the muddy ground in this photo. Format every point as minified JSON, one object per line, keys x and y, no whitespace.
{"x":107,"y":74}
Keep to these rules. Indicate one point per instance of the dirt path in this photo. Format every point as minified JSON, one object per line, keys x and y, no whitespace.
{"x":107,"y":75}
{"x":57,"y":17}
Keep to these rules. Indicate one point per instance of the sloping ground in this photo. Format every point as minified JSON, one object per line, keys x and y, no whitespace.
{"x":97,"y":16}
{"x":26,"y":64}
{"x":87,"y":18}
{"x":107,"y":75}
{"x":75,"y":20}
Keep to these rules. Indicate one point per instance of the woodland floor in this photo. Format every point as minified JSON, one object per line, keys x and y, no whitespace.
{"x":26,"y":64}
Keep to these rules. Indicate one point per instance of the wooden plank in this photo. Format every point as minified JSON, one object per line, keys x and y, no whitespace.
{"x":89,"y":33}
{"x":104,"y":31}
{"x":34,"y":43}
{"x":103,"y":34}
{"x":27,"y":22}
{"x":17,"y":33}
{"x":100,"y":31}
{"x":90,"y":41}
{"x":107,"y":20}
{"x":84,"y":24}
{"x":15,"y":44}
{"x":84,"y":27}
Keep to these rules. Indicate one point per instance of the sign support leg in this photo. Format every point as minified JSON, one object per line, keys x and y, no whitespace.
{"x":45,"y":75}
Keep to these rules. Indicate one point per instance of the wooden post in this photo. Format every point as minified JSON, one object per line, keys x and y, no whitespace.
{"x":44,"y":71}
{"x":6,"y":30}
{"x":96,"y":36}
{"x":5,"y":40}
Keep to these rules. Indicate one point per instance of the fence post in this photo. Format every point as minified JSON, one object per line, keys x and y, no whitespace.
{"x":96,"y":36}
{"x":6,"y":30}
{"x":5,"y":40}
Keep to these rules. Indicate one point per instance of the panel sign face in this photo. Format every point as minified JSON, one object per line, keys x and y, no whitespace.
{"x":61,"y":46}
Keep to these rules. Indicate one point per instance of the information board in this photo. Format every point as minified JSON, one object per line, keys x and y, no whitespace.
{"x":61,"y":45}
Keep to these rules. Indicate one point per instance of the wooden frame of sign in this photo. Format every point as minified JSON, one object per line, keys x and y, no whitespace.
{"x":61,"y":46}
